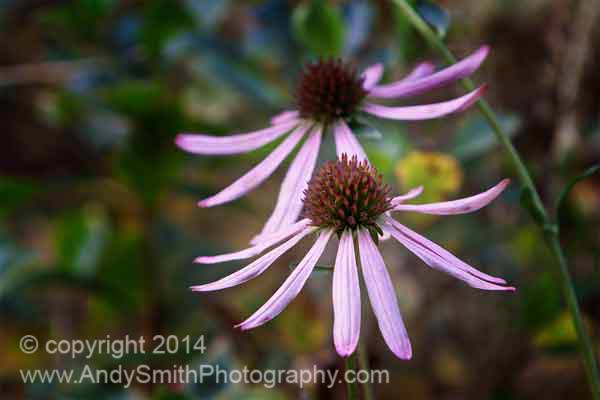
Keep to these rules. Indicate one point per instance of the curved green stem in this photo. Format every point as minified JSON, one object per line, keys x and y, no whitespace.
{"x":537,"y":209}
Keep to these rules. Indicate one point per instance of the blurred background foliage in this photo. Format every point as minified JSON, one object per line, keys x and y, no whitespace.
{"x":98,"y":218}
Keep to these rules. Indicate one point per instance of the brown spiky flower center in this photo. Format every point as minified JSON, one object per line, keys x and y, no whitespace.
{"x":346,"y":194}
{"x":329,"y":90}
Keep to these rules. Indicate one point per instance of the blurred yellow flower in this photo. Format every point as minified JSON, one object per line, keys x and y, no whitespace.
{"x":439,"y":173}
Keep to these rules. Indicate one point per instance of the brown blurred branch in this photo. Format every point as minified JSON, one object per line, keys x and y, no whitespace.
{"x":575,"y":51}
{"x":53,"y":73}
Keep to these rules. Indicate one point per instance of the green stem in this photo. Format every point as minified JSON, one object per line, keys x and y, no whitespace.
{"x":538,"y":210}
{"x":363,"y":364}
{"x":585,"y":344}
{"x":351,"y":387}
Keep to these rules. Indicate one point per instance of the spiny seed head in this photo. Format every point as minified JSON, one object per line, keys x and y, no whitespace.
{"x":346,"y":194}
{"x":329,"y":90}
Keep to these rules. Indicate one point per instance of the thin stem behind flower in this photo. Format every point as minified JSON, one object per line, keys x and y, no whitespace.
{"x":536,"y":207}
{"x":352,"y":389}
{"x":363,"y":350}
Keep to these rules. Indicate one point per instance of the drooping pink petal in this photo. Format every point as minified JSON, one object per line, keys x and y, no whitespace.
{"x":256,"y":268}
{"x":346,"y":142}
{"x":291,"y":287}
{"x":372,"y":75}
{"x":441,"y":259}
{"x":234,"y":144}
{"x":346,"y":298}
{"x":411,"y":194}
{"x":268,"y":241}
{"x":460,"y":206}
{"x":258,"y":174}
{"x":428,"y":111}
{"x":441,"y":78}
{"x":420,"y":71}
{"x":289,"y":202}
{"x":383,"y":297}
{"x":285,"y":116}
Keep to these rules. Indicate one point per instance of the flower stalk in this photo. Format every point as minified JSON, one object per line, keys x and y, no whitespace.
{"x":535,"y":205}
{"x":363,"y":351}
{"x":352,"y":390}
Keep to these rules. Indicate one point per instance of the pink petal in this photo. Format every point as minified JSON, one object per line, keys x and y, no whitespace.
{"x":429,"y":111}
{"x":255,"y":268}
{"x":269,"y":240}
{"x":346,"y":298}
{"x":372,"y":75}
{"x":291,"y":287}
{"x":441,"y":78}
{"x":460,"y":206}
{"x":421,"y":70}
{"x":234,"y":144}
{"x":285,"y":116}
{"x":289,"y":202}
{"x":258,"y":174}
{"x":439,"y":258}
{"x":383,"y":297}
{"x":346,"y":142}
{"x":411,"y":194}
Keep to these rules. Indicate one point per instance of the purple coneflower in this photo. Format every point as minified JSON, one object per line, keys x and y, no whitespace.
{"x":329,"y":95}
{"x":347,"y":198}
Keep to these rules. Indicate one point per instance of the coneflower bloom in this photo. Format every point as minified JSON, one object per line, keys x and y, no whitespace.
{"x":329,"y":95}
{"x":347,"y":198}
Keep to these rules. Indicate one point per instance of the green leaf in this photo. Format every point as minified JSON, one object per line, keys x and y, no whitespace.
{"x":81,"y":238}
{"x":560,"y":332}
{"x":122,"y":268}
{"x":560,"y":205}
{"x":437,"y":17}
{"x":319,"y":27}
{"x":366,"y":131}
{"x":475,"y":138}
{"x":15,"y":281}
{"x":541,"y":301}
{"x":15,"y":193}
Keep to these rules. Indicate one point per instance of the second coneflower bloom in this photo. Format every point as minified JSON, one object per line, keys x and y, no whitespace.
{"x":329,"y":95}
{"x":347,"y":199}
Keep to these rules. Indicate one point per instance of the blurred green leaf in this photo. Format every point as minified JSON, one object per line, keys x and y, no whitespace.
{"x":151,"y":159}
{"x":121,"y":268}
{"x":541,"y":300}
{"x":16,"y":281}
{"x":365,"y":130}
{"x":320,"y":27}
{"x":165,"y":394}
{"x":137,"y":98}
{"x":162,"y":20}
{"x":81,"y":238}
{"x":434,"y":15}
{"x":560,"y":205}
{"x":15,"y":193}
{"x":560,"y":332}
{"x":386,"y":150}
{"x":476,"y":138}
{"x":84,"y":17}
